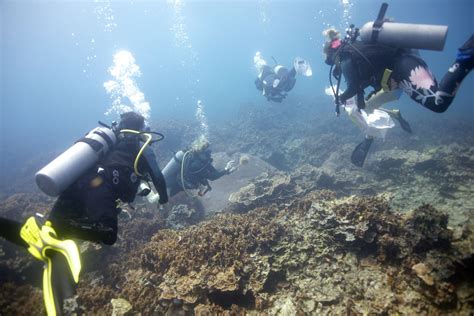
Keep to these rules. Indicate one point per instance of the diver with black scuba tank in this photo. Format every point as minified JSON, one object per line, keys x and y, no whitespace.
{"x":105,"y":166}
{"x":385,"y":59}
{"x":275,"y":82}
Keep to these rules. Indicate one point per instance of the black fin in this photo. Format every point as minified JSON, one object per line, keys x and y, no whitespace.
{"x":360,"y":152}
{"x":404,"y":124}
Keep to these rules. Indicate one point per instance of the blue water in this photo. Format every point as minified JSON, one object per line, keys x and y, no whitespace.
{"x":55,"y":58}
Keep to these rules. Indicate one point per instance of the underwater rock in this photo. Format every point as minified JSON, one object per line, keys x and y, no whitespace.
{"x":262,"y":190}
{"x":218,"y":198}
{"x":274,"y":187}
{"x":423,"y":273}
{"x":429,"y":228}
{"x":71,"y":306}
{"x":120,"y":306}
{"x":181,"y":216}
{"x":284,"y":306}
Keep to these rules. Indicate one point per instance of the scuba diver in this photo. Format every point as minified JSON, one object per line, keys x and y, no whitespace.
{"x":104,"y":166}
{"x":275,"y":83}
{"x":191,"y":169}
{"x":386,"y":59}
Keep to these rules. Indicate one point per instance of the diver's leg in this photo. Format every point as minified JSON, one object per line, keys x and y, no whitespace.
{"x":10,"y":230}
{"x":290,"y":84}
{"x":103,"y":210}
{"x":413,"y":75}
{"x":88,"y":214}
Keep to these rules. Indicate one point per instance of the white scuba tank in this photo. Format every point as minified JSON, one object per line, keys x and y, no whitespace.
{"x":172,"y":168}
{"x":60,"y":173}
{"x":405,"y":35}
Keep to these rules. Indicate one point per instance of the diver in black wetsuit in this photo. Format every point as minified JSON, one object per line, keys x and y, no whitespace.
{"x":87,"y":210}
{"x":193,"y":169}
{"x":363,"y":65}
{"x":367,"y":64}
{"x":275,"y":84}
{"x":85,"y":205}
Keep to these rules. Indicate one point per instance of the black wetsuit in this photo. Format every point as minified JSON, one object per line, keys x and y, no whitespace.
{"x":88,"y":208}
{"x":363,"y":65}
{"x":265,"y":82}
{"x":198,"y":169}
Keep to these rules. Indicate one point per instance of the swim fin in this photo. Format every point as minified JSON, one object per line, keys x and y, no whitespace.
{"x":403,"y":123}
{"x":62,"y":263}
{"x":360,"y":152}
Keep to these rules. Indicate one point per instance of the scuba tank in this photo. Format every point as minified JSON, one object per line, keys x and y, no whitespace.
{"x":172,"y":168}
{"x":399,"y":35}
{"x":280,"y":71}
{"x":403,"y":35}
{"x":60,"y":173}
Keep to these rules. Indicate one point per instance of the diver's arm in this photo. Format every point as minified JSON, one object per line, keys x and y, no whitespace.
{"x":213,"y":174}
{"x":156,"y":174}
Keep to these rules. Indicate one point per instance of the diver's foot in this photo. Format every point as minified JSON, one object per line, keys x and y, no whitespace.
{"x":466,"y":53}
{"x":403,"y":123}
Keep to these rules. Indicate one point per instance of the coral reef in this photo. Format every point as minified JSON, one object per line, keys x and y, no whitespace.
{"x":311,"y":235}
{"x":20,"y":300}
{"x":181,"y":216}
{"x":312,"y":254}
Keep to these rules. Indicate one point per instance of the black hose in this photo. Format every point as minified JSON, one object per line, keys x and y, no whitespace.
{"x":104,"y":125}
{"x":160,"y":136}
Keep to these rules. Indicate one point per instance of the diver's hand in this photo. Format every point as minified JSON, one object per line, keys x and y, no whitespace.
{"x":230,"y":167}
